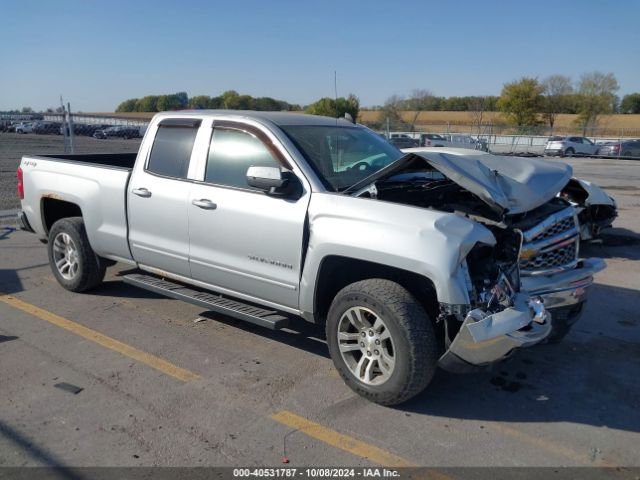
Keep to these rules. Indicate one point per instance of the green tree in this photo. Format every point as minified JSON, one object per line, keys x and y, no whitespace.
{"x":147,"y":104}
{"x":127,"y":105}
{"x":597,"y":93}
{"x":230,"y":100}
{"x":335,"y":108}
{"x":200,"y":102}
{"x":175,"y":101}
{"x":520,"y":101}
{"x":630,"y":103}
{"x":27,"y":110}
{"x":556,"y":91}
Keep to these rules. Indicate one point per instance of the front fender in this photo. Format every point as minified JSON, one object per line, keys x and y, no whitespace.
{"x":426,"y":242}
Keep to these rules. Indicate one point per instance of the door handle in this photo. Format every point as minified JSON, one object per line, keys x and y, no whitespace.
{"x":141,"y":192}
{"x":205,"y":203}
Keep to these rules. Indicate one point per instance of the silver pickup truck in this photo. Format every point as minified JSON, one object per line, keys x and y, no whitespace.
{"x":409,"y":261}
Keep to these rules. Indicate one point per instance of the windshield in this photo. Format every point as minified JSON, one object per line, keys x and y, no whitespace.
{"x":341,"y":155}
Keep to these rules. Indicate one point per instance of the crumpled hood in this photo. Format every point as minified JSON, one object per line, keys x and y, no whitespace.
{"x":514,"y":184}
{"x":506,"y":184}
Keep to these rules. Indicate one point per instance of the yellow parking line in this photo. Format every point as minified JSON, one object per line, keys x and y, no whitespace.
{"x":338,"y":440}
{"x":97,"y":337}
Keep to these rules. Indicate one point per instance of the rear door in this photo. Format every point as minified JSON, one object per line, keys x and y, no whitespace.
{"x":158,"y":196}
{"x":243,"y":241}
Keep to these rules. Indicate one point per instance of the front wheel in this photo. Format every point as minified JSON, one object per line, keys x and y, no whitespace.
{"x":73,"y":262}
{"x":381,"y":341}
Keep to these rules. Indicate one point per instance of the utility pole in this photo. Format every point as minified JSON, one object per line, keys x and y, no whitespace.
{"x":67,"y":124}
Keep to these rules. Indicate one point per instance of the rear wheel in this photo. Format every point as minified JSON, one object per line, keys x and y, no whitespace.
{"x":73,"y":262}
{"x":381,"y":341}
{"x":569,"y":152}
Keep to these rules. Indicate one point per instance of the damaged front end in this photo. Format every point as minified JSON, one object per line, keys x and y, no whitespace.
{"x":501,"y":318}
{"x":536,"y":250}
{"x":595,"y":210}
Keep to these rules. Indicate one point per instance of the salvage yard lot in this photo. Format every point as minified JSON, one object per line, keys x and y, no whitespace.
{"x":159,"y":388}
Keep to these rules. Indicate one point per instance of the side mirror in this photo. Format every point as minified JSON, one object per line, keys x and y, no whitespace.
{"x":273,"y":181}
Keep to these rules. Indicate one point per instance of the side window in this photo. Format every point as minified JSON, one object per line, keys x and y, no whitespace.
{"x":575,"y":139}
{"x":171,"y":151}
{"x":586,"y":141}
{"x":231,"y":153}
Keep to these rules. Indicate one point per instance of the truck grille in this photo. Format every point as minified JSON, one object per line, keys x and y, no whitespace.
{"x":550,"y":246}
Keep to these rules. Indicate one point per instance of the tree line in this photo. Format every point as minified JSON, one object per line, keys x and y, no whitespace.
{"x":524,"y":103}
{"x":230,"y":100}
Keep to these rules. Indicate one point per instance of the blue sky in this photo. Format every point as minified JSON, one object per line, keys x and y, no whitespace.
{"x":98,"y":53}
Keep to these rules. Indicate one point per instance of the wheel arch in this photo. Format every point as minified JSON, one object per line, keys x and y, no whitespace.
{"x":336,"y":272}
{"x":53,"y":209}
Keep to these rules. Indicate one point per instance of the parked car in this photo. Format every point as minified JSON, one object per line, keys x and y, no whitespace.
{"x":403,"y":141}
{"x":452,"y":140}
{"x":46,"y":128}
{"x":626,"y":148}
{"x":24,"y":127}
{"x":409,"y":261}
{"x":568,"y":146}
{"x":432,"y":140}
{"x":122,"y":131}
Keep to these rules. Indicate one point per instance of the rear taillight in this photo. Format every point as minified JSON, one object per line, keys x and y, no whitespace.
{"x":20,"y":184}
{"x":428,"y":142}
{"x":615,"y":148}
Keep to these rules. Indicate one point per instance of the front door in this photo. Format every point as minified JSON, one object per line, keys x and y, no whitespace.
{"x":241,"y":239}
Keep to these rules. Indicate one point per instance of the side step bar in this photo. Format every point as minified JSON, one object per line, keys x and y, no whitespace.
{"x":217,"y":303}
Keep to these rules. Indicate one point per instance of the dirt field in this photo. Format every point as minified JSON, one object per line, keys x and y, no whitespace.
{"x":609,"y":124}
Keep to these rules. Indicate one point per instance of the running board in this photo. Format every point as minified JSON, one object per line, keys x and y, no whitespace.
{"x":217,"y":303}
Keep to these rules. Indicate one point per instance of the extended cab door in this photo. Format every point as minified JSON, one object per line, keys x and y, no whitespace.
{"x":242,"y":240}
{"x":158,"y":198}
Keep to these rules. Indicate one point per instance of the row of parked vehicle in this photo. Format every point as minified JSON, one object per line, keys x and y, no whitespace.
{"x":452,"y":140}
{"x":569,"y":146}
{"x":564,"y":146}
{"x":85,"y":129}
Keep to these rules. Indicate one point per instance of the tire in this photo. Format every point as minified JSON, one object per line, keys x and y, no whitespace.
{"x":402,"y":350}
{"x":80,"y":268}
{"x":569,"y":152}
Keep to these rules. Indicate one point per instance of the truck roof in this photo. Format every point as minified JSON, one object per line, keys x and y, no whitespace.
{"x":278,"y":118}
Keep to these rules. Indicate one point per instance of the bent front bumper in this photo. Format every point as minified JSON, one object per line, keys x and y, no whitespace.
{"x":486,"y":338}
{"x":564,"y":293}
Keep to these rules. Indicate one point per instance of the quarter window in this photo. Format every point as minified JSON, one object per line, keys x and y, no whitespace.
{"x":231,"y":154}
{"x":171,"y":151}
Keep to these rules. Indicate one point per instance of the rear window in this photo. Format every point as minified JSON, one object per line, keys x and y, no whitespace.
{"x":171,"y":151}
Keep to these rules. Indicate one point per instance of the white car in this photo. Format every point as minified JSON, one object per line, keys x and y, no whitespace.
{"x":24,"y":127}
{"x":567,"y":146}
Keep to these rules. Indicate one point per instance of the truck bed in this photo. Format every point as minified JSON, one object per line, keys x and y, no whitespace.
{"x":111,"y":160}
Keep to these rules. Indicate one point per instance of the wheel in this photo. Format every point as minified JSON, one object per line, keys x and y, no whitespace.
{"x":569,"y":152}
{"x":381,"y":341}
{"x":73,"y":262}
